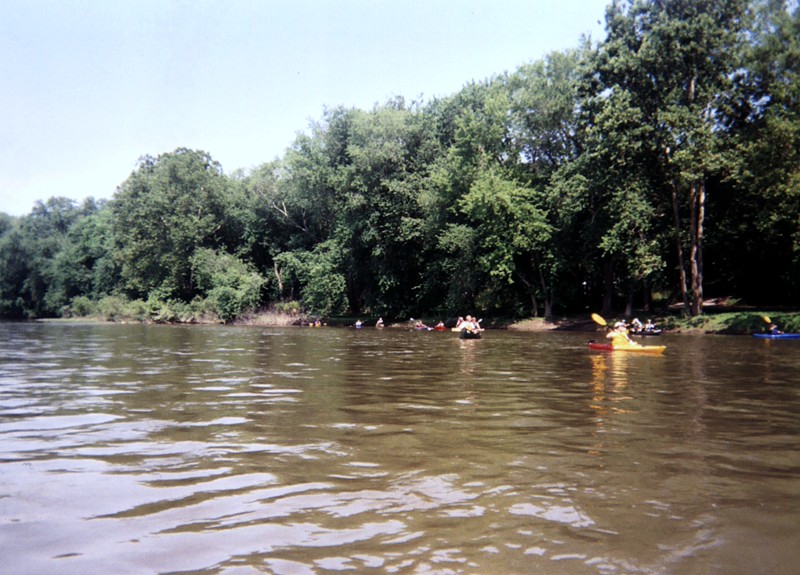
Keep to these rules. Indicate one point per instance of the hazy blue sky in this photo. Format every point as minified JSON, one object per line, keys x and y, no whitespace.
{"x":89,"y":86}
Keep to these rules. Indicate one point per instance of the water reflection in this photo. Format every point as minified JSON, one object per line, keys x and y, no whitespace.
{"x":233,"y":450}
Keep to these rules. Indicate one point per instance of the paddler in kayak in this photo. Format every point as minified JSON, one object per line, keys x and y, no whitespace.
{"x":421,"y":326}
{"x":470,"y":325}
{"x":619,"y":336}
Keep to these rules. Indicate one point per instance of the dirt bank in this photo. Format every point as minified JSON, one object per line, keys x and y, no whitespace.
{"x":539,"y":324}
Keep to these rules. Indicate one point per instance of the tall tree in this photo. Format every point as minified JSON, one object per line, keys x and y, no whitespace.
{"x":674,"y":60}
{"x":472,"y":128}
{"x":513,"y":235}
{"x":381,"y":225}
{"x":85,"y":264}
{"x":14,"y":269}
{"x":764,"y":115}
{"x":44,"y":235}
{"x":167,"y":209}
{"x":543,"y":104}
{"x":545,"y":142}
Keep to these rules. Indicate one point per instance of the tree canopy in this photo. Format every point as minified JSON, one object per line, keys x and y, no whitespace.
{"x":658,"y":166}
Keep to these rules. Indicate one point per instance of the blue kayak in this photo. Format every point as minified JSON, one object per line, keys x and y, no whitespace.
{"x":777,"y":335}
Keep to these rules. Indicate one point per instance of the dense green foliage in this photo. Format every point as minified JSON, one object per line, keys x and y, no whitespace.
{"x":661,"y":165}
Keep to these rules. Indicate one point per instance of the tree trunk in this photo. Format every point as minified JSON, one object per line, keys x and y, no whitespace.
{"x":534,"y":303}
{"x":698,"y":210}
{"x":679,"y":248}
{"x":548,"y":298}
{"x":278,"y":277}
{"x":629,"y":304}
{"x":531,"y":292}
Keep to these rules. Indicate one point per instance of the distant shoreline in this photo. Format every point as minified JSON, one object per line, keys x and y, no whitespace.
{"x":736,"y":322}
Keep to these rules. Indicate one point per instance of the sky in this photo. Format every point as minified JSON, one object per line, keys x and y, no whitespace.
{"x":87,"y":87}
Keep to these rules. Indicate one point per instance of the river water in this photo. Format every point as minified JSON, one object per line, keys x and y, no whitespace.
{"x":128,"y":449}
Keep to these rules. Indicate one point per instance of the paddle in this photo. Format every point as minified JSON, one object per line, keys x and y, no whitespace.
{"x":599,"y":320}
{"x":766,"y":318}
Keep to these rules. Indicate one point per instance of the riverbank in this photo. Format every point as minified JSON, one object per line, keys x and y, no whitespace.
{"x":732,"y":322}
{"x":728,"y":322}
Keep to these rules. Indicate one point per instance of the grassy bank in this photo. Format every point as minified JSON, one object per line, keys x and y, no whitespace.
{"x":732,"y":322}
{"x":720,"y":322}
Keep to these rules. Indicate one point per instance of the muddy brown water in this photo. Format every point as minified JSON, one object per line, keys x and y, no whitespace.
{"x":229,"y":450}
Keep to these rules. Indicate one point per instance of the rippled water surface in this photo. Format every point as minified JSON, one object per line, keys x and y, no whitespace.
{"x":227,"y":450}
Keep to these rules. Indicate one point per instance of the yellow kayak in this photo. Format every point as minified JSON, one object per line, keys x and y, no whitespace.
{"x":633,"y":348}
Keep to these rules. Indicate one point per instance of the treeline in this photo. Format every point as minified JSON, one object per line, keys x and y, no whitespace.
{"x":659,"y":166}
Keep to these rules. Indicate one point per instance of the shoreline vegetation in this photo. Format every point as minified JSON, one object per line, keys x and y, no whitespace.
{"x":724,"y":320}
